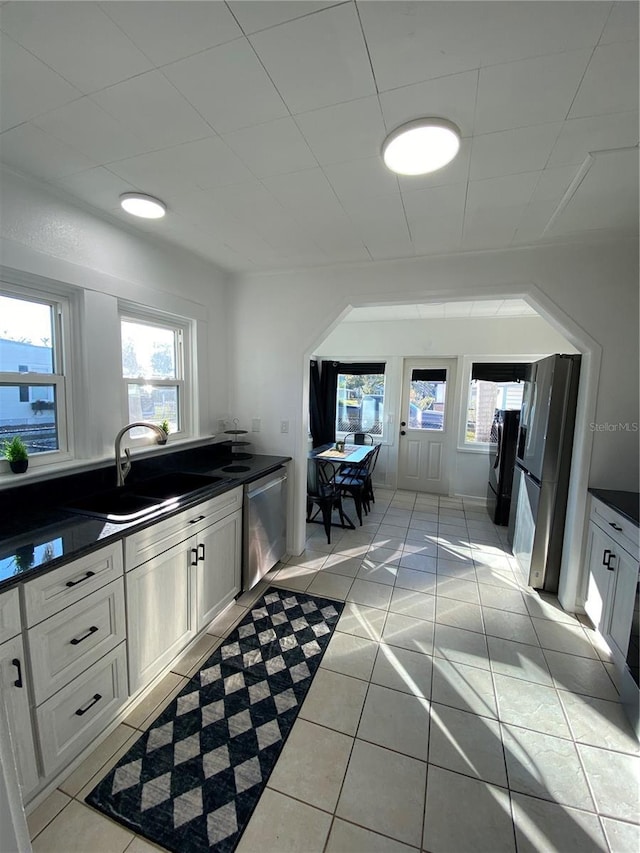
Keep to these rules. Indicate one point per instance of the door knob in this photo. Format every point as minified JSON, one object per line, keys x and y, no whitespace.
{"x":403,"y":423}
{"x":403,"y":432}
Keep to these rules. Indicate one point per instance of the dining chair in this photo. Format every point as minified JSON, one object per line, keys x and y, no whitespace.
{"x":352,"y":482}
{"x":372,"y":459}
{"x":326,"y":495}
{"x":362,"y":438}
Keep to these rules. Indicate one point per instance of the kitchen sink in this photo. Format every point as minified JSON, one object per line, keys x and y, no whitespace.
{"x":173,"y":485}
{"x":137,"y":500}
{"x":116,"y":505}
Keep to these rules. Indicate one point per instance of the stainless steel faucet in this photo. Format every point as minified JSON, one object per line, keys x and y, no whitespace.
{"x":122,"y":469}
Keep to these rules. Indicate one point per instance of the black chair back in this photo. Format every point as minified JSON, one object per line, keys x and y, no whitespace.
{"x":362,"y":438}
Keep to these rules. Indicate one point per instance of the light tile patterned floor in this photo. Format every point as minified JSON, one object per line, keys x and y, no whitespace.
{"x":455,"y":710}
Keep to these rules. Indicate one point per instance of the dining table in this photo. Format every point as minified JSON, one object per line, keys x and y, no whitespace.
{"x":352,"y":453}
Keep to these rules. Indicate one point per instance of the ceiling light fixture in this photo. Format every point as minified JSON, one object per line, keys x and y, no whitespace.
{"x":421,"y":146}
{"x":140,"y":204}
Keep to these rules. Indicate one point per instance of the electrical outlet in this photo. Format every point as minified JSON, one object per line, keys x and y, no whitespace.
{"x":284,"y":426}
{"x":221,"y":425}
{"x":255,"y":425}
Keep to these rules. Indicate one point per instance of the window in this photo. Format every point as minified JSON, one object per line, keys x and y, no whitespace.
{"x":33,"y":390}
{"x":427,"y":397}
{"x":153,"y":371}
{"x":492,"y":386}
{"x":360,"y":399}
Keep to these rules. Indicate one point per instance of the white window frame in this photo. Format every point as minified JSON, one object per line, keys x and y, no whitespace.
{"x":467,"y":366}
{"x":183,"y":329}
{"x":60,"y":380}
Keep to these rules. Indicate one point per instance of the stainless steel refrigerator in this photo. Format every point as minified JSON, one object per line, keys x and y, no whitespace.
{"x":543,"y":464}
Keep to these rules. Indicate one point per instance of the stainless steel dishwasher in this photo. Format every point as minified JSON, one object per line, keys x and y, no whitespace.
{"x":265,"y":526}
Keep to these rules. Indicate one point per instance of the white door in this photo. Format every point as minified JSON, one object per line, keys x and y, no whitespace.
{"x":427,"y":431}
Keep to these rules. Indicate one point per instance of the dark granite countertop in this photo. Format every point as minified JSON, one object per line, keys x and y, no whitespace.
{"x":38,"y":534}
{"x":626,"y":503}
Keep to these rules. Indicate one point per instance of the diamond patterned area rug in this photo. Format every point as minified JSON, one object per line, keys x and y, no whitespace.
{"x":193,"y":779}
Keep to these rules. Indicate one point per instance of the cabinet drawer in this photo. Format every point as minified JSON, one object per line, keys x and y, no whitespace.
{"x":46,"y":595}
{"x":9,"y":614}
{"x":69,"y":721}
{"x":620,"y":529}
{"x":66,"y":644}
{"x":154,"y":540}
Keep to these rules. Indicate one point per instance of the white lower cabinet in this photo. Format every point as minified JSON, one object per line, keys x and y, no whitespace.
{"x":15,"y":698}
{"x":70,"y":720}
{"x":179,"y":589}
{"x":613,"y":576}
{"x":92,"y":638}
{"x":66,"y":644}
{"x":219,"y":550}
{"x":75,"y":632}
{"x":160,"y":621}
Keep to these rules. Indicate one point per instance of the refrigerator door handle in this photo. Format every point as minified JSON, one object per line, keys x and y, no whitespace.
{"x":499,"y":452}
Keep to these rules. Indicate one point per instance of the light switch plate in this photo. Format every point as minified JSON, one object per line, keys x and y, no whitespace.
{"x":255,"y":425}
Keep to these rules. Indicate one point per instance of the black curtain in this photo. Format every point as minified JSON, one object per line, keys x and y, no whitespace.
{"x":323,"y":386}
{"x":315,"y":403}
{"x":328,"y":389}
{"x":499,"y":371}
{"x":430,"y":374}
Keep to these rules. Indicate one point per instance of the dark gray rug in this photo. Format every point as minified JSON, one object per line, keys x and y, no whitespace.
{"x":192,"y":781}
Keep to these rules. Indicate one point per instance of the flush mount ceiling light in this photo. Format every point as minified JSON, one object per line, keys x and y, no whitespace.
{"x":421,"y":146}
{"x":140,"y":204}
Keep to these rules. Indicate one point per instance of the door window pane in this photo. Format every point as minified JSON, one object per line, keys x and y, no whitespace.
{"x":426,"y":403}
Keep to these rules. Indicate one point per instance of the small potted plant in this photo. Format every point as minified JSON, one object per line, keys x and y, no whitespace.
{"x":15,"y":452}
{"x":165,"y":426}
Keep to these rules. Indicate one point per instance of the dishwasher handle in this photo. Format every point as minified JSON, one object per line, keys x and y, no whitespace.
{"x":263,"y":487}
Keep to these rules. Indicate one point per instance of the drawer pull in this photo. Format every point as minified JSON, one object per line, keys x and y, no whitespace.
{"x":18,"y":682}
{"x":201,"y":555}
{"x":86,"y":577}
{"x":77,"y":640}
{"x":196,"y":520}
{"x":606,"y":559}
{"x":95,"y":699}
{"x":194,"y":556}
{"x":615,"y":526}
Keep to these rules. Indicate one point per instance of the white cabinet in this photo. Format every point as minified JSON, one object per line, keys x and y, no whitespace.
{"x":160,"y":622}
{"x":188,"y":571}
{"x":219,"y":556}
{"x":613,"y":576}
{"x":76,"y":633}
{"x":14,"y":691}
{"x":67,"y":643}
{"x":71,"y":718}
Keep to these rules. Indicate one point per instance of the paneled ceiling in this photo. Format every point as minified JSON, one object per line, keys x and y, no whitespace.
{"x":260,"y":123}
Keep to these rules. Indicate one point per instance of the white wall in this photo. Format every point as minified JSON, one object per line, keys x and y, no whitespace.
{"x":99,"y":261}
{"x":587,"y":291}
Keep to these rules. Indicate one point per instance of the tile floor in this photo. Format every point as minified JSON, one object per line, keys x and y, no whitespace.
{"x":455,"y":710}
